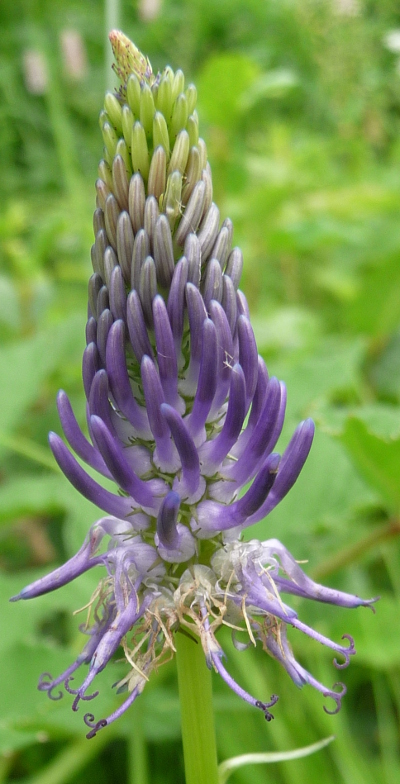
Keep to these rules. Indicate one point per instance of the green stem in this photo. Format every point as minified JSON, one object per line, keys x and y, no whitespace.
{"x":137,"y":759}
{"x":195,"y":694}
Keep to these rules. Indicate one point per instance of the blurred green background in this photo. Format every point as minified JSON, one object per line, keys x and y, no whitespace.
{"x":299,"y":102}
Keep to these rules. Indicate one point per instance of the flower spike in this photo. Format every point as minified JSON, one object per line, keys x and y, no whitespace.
{"x":182,"y":415}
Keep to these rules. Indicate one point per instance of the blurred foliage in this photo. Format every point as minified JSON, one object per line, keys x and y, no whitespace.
{"x":300,"y":107}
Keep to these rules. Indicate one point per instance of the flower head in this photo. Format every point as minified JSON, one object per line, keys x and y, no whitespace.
{"x":182,"y":416}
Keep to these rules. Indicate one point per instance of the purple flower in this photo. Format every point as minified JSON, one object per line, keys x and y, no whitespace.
{"x":182,"y":416}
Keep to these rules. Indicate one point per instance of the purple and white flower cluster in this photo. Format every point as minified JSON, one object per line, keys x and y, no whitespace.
{"x":182,"y":416}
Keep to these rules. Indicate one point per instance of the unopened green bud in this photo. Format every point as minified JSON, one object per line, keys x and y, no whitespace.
{"x":114,"y":111}
{"x":120,"y":181}
{"x":164,"y":96}
{"x":128,"y":58}
{"x":98,"y":220}
{"x":203,"y":152}
{"x":193,"y":128}
{"x":125,"y":244}
{"x":157,"y":173}
{"x":109,"y":262}
{"x":148,"y":288}
{"x":191,"y":97}
{"x":105,"y":173}
{"x":178,"y":84}
{"x":179,"y":116}
{"x":147,"y":108}
{"x":139,"y":150}
{"x":107,"y":157}
{"x":110,"y":139}
{"x":180,"y":153}
{"x":103,"y":118}
{"x":207,"y":179}
{"x":191,"y":218}
{"x":171,"y":203}
{"x":163,"y":251}
{"x":111,"y":215}
{"x":192,"y":174}
{"x":127,"y":120}
{"x":133,"y":94}
{"x":137,"y":198}
{"x":209,"y":230}
{"x":160,"y":132}
{"x":123,"y":151}
{"x":168,"y":73}
{"x":151,"y":214}
{"x":102,"y":191}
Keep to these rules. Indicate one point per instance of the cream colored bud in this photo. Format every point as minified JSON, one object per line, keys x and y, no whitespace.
{"x":180,"y":153}
{"x":157,"y":173}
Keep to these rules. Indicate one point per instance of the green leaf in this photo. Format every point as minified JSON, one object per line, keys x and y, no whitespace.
{"x":327,"y":491}
{"x":25,"y":365}
{"x":376,"y":458}
{"x":332,"y":368}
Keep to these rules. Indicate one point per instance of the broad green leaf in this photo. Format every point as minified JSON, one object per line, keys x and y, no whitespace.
{"x":376,"y":459}
{"x":326,"y":492}
{"x":333,"y":367}
{"x":25,"y":365}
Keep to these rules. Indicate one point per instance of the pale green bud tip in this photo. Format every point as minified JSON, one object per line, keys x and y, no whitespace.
{"x":129,"y":59}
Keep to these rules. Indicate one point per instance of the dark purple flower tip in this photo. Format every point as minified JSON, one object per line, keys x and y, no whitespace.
{"x":262,"y":440}
{"x":117,"y":294}
{"x":207,"y":381}
{"x":176,"y":304}
{"x":248,"y":356}
{"x":174,"y":541}
{"x":166,"y":355}
{"x":119,"y":381}
{"x":211,"y":516}
{"x":138,"y":334}
{"x":167,"y":519}
{"x":103,"y":327}
{"x":293,"y":459}
{"x":197,"y":315}
{"x":75,"y":437}
{"x":213,"y":452}
{"x":91,"y":363}
{"x":190,"y":482}
{"x":112,"y":504}
{"x":229,"y":302}
{"x":113,"y":455}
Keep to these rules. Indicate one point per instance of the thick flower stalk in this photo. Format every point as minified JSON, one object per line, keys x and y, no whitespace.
{"x":182,"y":415}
